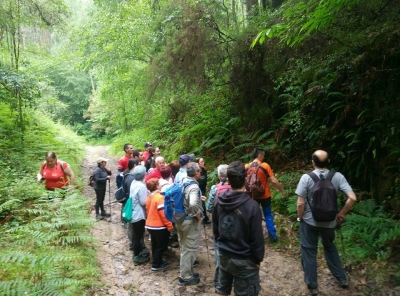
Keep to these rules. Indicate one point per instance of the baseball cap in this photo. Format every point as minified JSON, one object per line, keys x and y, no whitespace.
{"x":101,"y":159}
{"x":148,"y":144}
{"x":185,"y":158}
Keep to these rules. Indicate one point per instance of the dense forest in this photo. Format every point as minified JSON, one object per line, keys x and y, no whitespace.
{"x":214,"y":78}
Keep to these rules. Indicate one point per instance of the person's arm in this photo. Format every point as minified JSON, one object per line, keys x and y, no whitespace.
{"x":211,"y":196}
{"x":68,"y":171}
{"x":39,"y":175}
{"x":277,"y":185}
{"x":351,"y":200}
{"x":300,"y":206}
{"x":256,"y":235}
{"x":143,"y":193}
{"x":195,"y":209}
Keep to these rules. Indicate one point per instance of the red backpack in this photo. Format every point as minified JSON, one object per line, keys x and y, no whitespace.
{"x":221,"y":188}
{"x":254,"y":186}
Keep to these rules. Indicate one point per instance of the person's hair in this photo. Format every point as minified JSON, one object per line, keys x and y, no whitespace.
{"x":136,"y":152}
{"x":152,"y":184}
{"x":131,"y":164}
{"x":159,"y":158}
{"x":192,"y":168}
{"x":197,"y":159}
{"x":139,"y":171}
{"x":151,"y":151}
{"x":222,"y":172}
{"x":236,"y":174}
{"x":126,"y":146}
{"x":321,"y":163}
{"x":51,"y":154}
{"x":175,"y":166}
{"x":165,"y":172}
{"x":257,"y":151}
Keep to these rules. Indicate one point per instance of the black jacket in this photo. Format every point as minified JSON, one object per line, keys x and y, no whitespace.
{"x":100,"y":178}
{"x":237,"y":226}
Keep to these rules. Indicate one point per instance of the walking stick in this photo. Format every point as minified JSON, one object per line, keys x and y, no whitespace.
{"x":208,"y":252}
{"x":109,"y":195}
{"x":339,"y":228}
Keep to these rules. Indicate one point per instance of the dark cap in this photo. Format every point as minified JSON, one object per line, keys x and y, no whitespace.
{"x":184,"y":159}
{"x":148,"y":144}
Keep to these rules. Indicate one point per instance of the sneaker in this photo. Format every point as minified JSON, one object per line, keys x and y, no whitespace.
{"x":345,"y":283}
{"x":145,"y":252}
{"x":195,"y":263}
{"x":193,"y":281}
{"x":104,"y":214}
{"x":196,"y":274}
{"x":140,"y":259}
{"x":314,"y":292}
{"x":161,"y":267}
{"x":271,"y":238}
{"x":99,"y":217}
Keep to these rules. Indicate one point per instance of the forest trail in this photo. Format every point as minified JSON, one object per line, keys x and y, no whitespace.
{"x":280,"y":274}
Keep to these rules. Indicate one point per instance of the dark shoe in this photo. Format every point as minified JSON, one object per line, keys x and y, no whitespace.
{"x":195,"y":263}
{"x":314,"y":292}
{"x":164,"y":262}
{"x":345,"y":283}
{"x":169,"y":253}
{"x":161,"y":267}
{"x":271,"y":238}
{"x":130,"y":247}
{"x":173,"y":244}
{"x":140,"y":259}
{"x":104,"y":214}
{"x":99,"y":217}
{"x":196,"y":274}
{"x":193,"y":281}
{"x":145,"y":252}
{"x":207,"y":221}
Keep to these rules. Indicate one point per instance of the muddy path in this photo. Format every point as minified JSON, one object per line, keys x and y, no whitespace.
{"x":280,"y":274}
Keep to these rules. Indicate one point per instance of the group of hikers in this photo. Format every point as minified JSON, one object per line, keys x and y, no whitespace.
{"x":234,"y":206}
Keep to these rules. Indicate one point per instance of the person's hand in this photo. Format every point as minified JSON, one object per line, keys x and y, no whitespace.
{"x":203,"y":198}
{"x":109,"y":177}
{"x":340,"y":218}
{"x":198,"y":216}
{"x":283,"y":194}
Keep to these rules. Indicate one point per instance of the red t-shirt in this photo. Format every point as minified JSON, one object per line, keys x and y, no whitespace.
{"x":123,"y":162}
{"x":153,"y":174}
{"x":55,"y":177}
{"x":146,"y":155}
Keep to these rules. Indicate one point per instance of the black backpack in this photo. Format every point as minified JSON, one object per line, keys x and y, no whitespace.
{"x":122,"y":193}
{"x":324,"y":204}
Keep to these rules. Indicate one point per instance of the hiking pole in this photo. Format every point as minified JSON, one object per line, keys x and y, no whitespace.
{"x":208,"y":252}
{"x":339,"y":228}
{"x":109,"y":195}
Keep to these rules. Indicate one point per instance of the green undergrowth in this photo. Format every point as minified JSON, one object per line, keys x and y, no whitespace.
{"x":45,"y":245}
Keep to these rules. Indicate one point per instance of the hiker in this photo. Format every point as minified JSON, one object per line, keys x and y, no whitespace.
{"x":128,"y":178}
{"x":123,"y":163}
{"x":157,"y":225}
{"x":165,"y":182}
{"x":138,"y":154}
{"x":264,"y":174}
{"x":184,"y":159}
{"x":310,"y":229}
{"x":156,"y":173}
{"x":174,"y":165}
{"x":138,"y":193}
{"x":203,"y":186}
{"x":212,"y":197}
{"x":55,"y":173}
{"x":157,"y":152}
{"x":101,"y":175}
{"x":146,"y":153}
{"x":238,"y":231}
{"x":189,"y":229}
{"x":150,"y":161}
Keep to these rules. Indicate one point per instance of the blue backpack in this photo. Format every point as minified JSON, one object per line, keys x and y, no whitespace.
{"x":173,"y":202}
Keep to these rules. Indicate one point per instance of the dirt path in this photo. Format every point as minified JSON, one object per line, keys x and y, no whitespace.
{"x":280,"y":274}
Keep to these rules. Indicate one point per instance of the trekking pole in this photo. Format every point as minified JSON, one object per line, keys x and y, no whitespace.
{"x":339,"y":228}
{"x":208,"y":252}
{"x":109,"y":195}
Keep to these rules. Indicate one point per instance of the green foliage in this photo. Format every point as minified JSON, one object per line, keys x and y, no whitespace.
{"x":370,"y":232}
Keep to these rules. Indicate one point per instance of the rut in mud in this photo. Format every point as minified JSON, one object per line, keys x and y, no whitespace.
{"x":280,"y":274}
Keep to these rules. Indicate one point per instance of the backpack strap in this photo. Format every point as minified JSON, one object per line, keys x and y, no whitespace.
{"x":259,"y":167}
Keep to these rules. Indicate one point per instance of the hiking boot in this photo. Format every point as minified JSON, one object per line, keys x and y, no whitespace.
{"x":99,"y":217}
{"x":173,"y":244}
{"x":145,"y":252}
{"x":345,"y":283}
{"x":195,"y":263}
{"x":196,"y":274}
{"x":161,"y":267}
{"x":314,"y":292}
{"x":140,"y":259}
{"x":193,"y":281}
{"x":104,"y":214}
{"x":207,"y":222}
{"x":169,"y":253}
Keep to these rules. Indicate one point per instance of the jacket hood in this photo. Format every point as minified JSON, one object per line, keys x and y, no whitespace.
{"x":230,"y":199}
